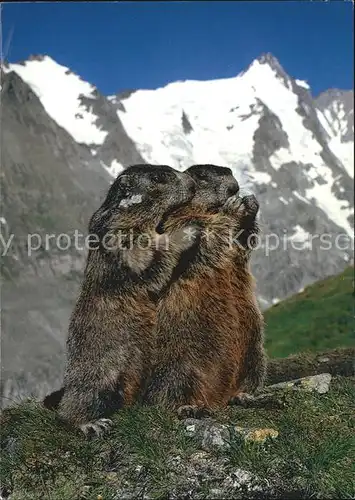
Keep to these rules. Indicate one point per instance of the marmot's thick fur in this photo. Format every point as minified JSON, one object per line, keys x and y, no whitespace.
{"x":208,"y":315}
{"x":251,"y":320}
{"x":110,"y":341}
{"x":219,"y":181}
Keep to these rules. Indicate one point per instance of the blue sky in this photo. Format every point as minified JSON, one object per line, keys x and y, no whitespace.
{"x":132,"y":45}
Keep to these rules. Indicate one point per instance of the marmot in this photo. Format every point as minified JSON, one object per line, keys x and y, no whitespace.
{"x":251,"y":321}
{"x":109,"y":345}
{"x":218,"y":180}
{"x":208,"y":314}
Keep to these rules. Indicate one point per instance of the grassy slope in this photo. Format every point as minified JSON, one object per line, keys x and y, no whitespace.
{"x":319,"y":318}
{"x":313,"y":456}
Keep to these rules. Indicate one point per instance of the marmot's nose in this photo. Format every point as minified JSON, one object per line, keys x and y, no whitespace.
{"x":232,"y":188}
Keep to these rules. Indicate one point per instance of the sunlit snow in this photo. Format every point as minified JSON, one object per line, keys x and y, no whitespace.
{"x":223,"y":116}
{"x":59,"y":92}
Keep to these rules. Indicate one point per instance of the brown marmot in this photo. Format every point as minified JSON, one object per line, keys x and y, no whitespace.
{"x":211,"y":180}
{"x":208,"y":317}
{"x":218,"y":180}
{"x":251,"y":321}
{"x":109,"y":345}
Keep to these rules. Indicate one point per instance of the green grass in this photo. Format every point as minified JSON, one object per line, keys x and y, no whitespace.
{"x":313,"y":455}
{"x":319,"y":318}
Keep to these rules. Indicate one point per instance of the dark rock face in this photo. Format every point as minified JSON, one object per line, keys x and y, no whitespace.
{"x":186,"y":125}
{"x":269,"y":136}
{"x":117,"y":145}
{"x":336,"y":101}
{"x":283,"y":273}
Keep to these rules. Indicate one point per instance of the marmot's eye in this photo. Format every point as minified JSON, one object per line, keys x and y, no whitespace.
{"x":203,"y":176}
{"x":159,"y":178}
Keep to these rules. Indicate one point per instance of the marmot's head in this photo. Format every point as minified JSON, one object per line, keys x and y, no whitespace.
{"x":141,"y":196}
{"x":214,"y":185}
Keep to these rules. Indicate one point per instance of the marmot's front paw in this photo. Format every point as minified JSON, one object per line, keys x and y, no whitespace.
{"x":232,"y":205}
{"x":96,"y":428}
{"x":248,"y":206}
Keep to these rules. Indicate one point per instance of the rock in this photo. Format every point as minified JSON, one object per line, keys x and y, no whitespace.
{"x":190,"y":428}
{"x":319,"y":383}
{"x":112,"y":476}
{"x":239,"y":483}
{"x":4,"y":494}
{"x":215,"y":436}
{"x":196,"y":476}
{"x":208,"y":433}
{"x":337,"y":362}
{"x":257,"y":435}
{"x":207,"y":476}
{"x":212,"y":435}
{"x":266,"y":401}
{"x":241,"y":479}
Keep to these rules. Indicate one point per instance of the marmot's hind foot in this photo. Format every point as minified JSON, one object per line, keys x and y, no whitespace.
{"x":242,"y":399}
{"x":51,"y":402}
{"x":193,"y":411}
{"x":96,"y":428}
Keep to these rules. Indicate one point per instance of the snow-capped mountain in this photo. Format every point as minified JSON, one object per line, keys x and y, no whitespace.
{"x":59,"y":90}
{"x":294,"y":151}
{"x":280,"y":142}
{"x":78,"y":107}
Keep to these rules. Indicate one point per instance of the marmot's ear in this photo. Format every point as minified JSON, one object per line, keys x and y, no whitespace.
{"x":124,"y":183}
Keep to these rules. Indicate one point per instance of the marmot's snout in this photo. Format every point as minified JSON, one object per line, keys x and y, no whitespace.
{"x":232,"y":188}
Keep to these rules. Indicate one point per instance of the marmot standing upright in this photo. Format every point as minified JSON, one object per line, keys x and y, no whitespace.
{"x":109,"y":344}
{"x":251,"y":321}
{"x":202,"y":321}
